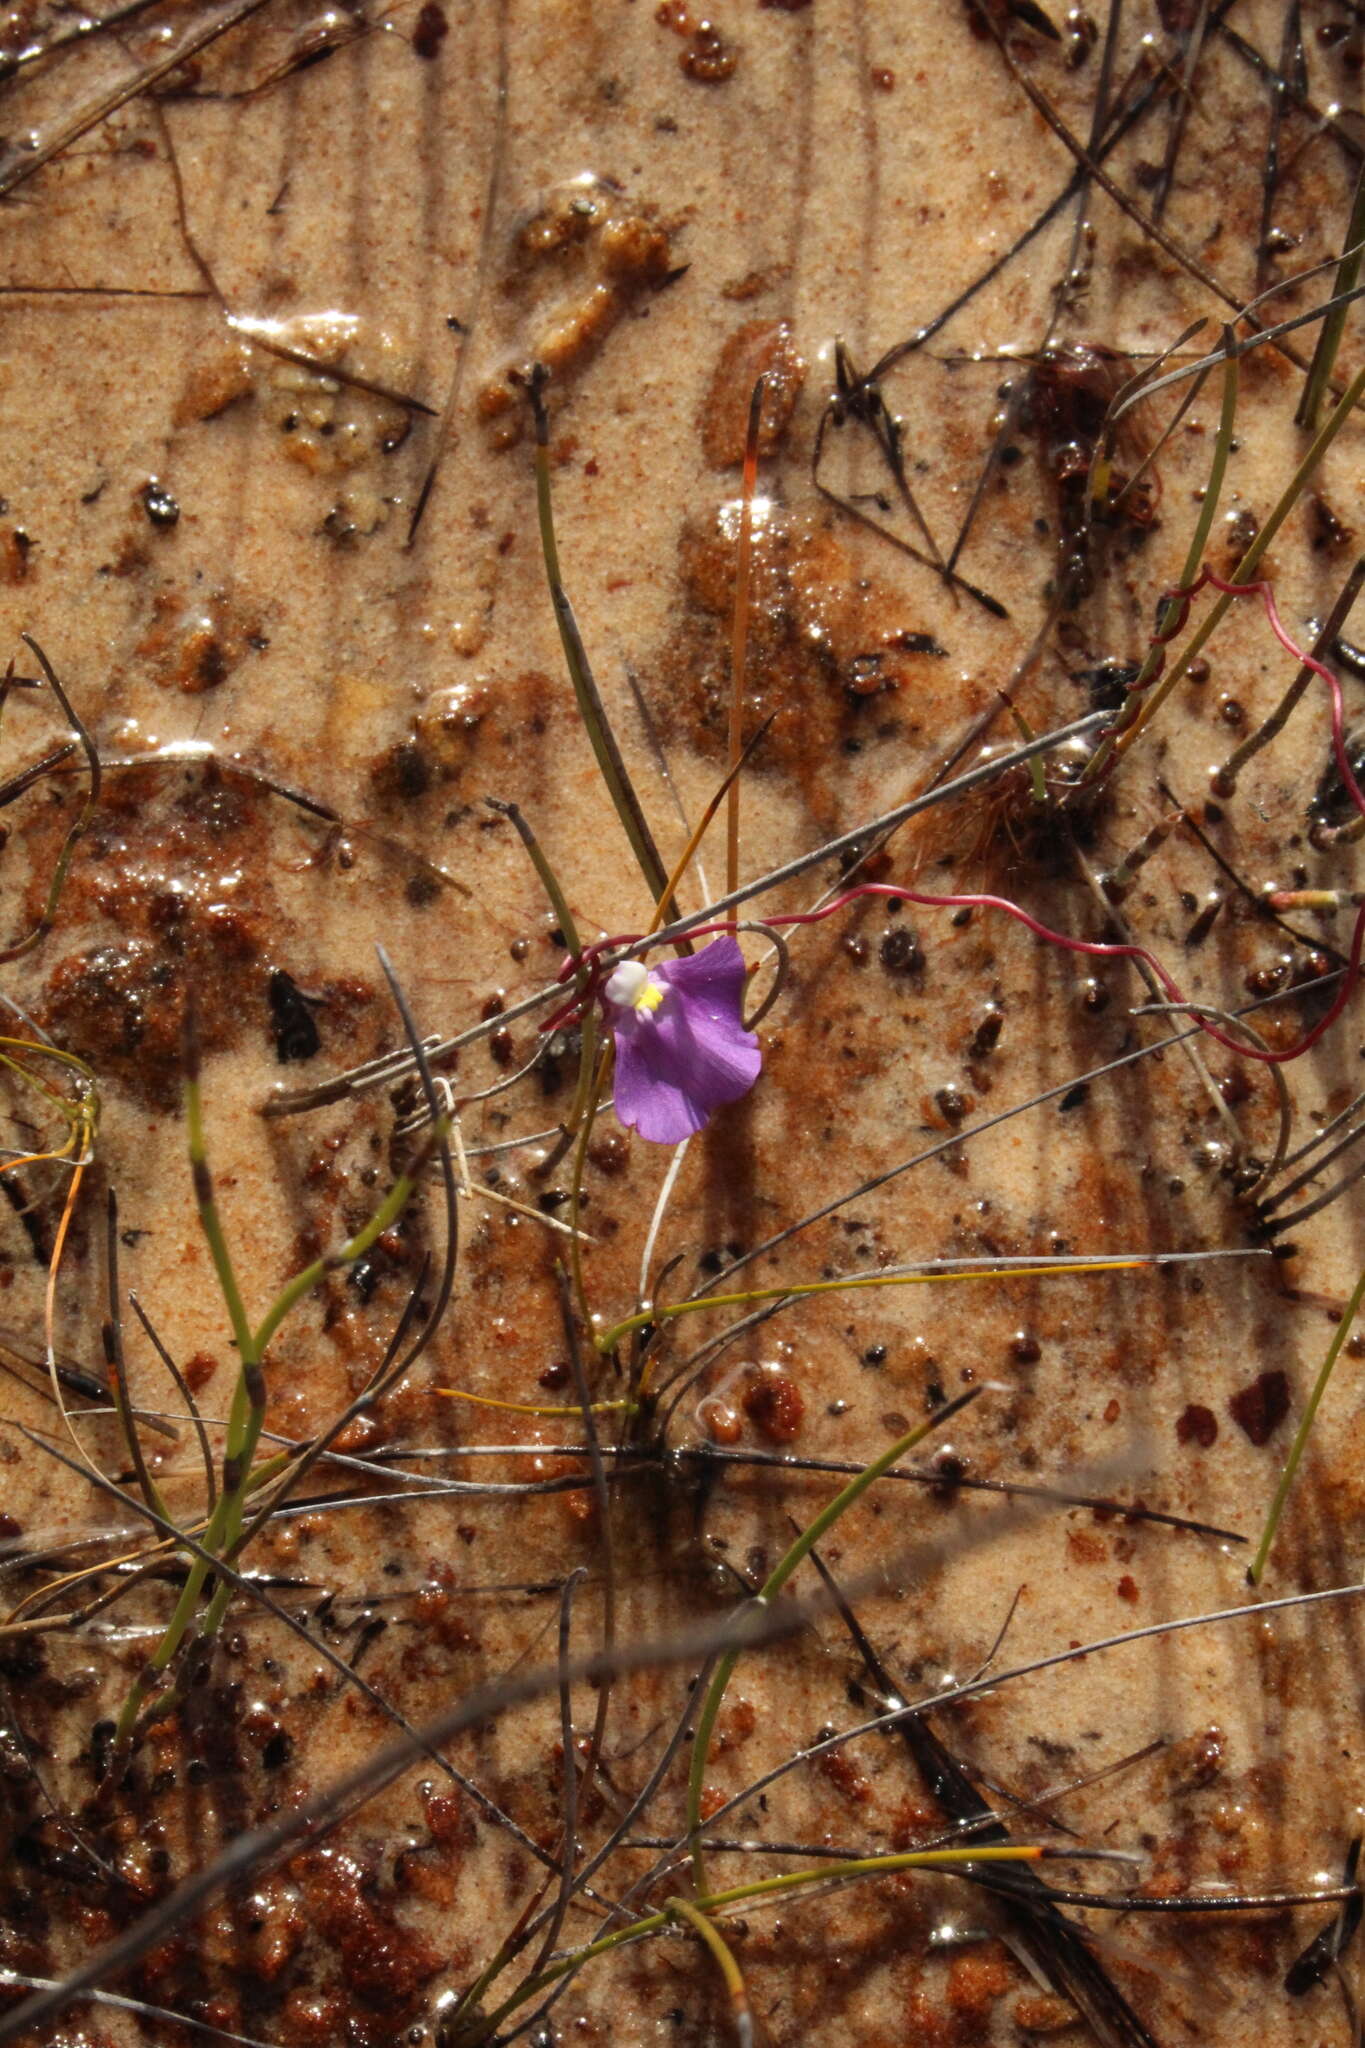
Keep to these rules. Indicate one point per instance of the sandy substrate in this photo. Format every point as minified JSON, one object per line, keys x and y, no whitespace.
{"x":269,"y":510}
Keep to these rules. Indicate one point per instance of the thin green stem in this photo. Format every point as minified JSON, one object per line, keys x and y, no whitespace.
{"x":1334,"y":326}
{"x":591,"y":709}
{"x":559,"y":902}
{"x":253,"y":1378}
{"x":767,"y":1887}
{"x":1296,"y":1449}
{"x":388,"y":1212}
{"x":209,"y":1220}
{"x":1224,"y":779}
{"x":1194,"y":554}
{"x":181,"y":1617}
{"x":118,"y":1368}
{"x":62,"y":1103}
{"x":796,"y":1288}
{"x":1243,"y":573}
{"x":772,"y":1586}
{"x":873,"y":1866}
{"x":1025,"y":732}
{"x":707,"y":1932}
{"x":241,"y":1438}
{"x":223,"y":1532}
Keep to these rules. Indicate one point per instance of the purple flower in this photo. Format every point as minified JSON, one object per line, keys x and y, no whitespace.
{"x":681,"y":1046}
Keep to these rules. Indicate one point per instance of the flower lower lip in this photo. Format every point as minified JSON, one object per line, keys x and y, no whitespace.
{"x":696,"y":1057}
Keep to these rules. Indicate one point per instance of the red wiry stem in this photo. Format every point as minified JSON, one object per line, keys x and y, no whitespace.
{"x":1094,"y":949}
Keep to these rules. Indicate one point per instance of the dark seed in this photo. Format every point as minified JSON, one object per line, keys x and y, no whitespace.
{"x":900,"y":952}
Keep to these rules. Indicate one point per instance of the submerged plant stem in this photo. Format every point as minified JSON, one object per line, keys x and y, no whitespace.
{"x":1296,"y":1449}
{"x":1143,"y":707}
{"x":223,"y":1532}
{"x":1149,"y":705}
{"x":772,"y":1586}
{"x":796,"y":1288}
{"x":733,"y":1977}
{"x":767,"y":1887}
{"x":1334,"y":326}
{"x":1224,"y":779}
{"x":591,"y":709}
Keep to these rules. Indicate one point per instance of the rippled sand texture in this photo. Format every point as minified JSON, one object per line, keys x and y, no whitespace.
{"x":274,"y":281}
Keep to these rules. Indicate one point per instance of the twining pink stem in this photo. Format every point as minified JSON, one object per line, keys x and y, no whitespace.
{"x":1263,"y":590}
{"x":1098,"y":949}
{"x":1094,"y":949}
